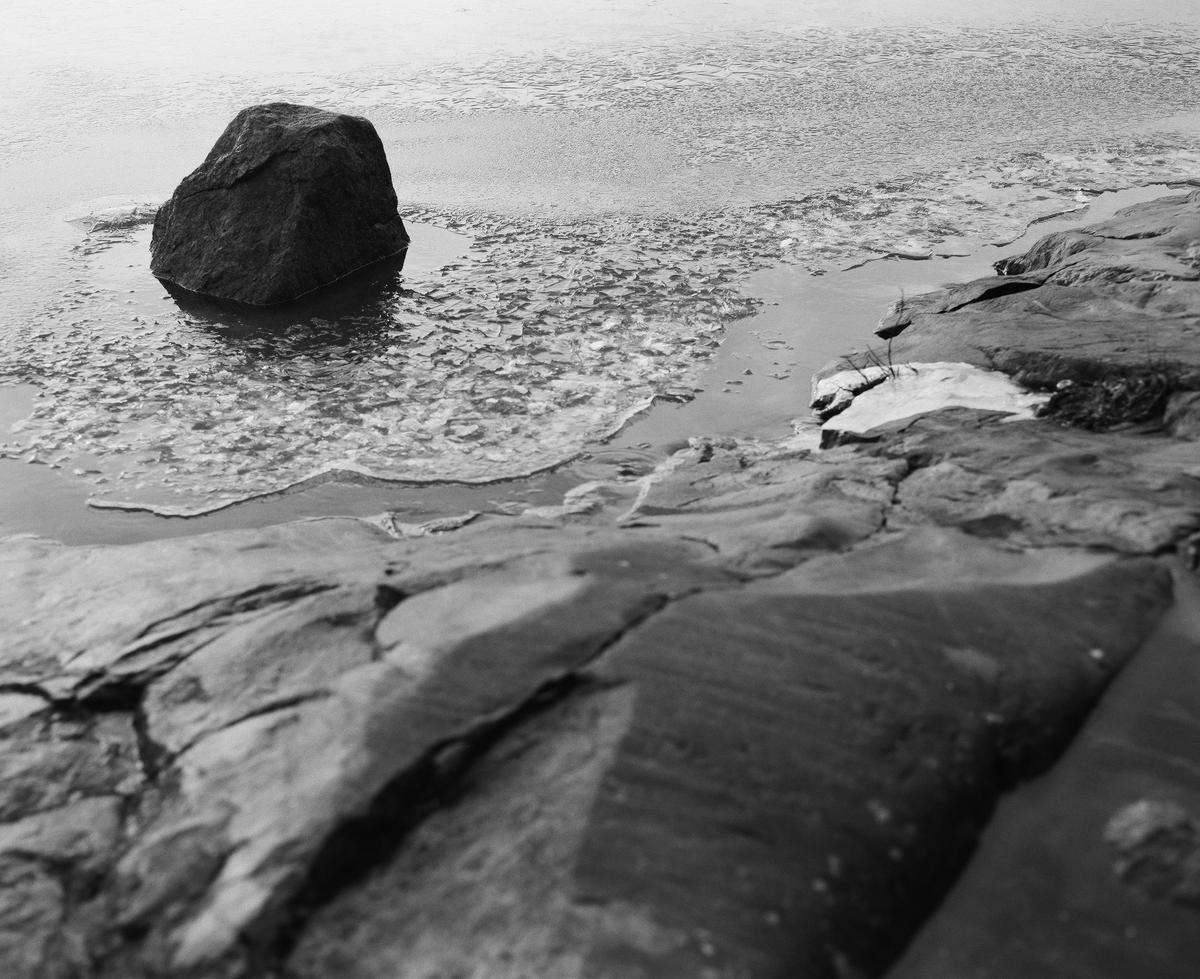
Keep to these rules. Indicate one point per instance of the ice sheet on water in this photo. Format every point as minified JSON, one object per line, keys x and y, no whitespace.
{"x":683,"y":165}
{"x":728,"y":117}
{"x":549,"y":335}
{"x":542,"y":339}
{"x":815,"y":71}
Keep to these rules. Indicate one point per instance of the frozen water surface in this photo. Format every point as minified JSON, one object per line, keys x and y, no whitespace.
{"x":589,"y":192}
{"x":493,"y":366}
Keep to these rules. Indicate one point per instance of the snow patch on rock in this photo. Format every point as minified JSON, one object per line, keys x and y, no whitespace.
{"x":918,"y":388}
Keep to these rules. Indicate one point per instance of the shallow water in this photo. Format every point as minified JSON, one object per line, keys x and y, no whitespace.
{"x":632,"y":182}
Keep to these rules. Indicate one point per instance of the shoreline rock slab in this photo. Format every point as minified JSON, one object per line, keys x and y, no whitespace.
{"x":738,"y":772}
{"x":822,"y":806}
{"x":1105,"y":320}
{"x":750,"y":724}
{"x":290,"y":198}
{"x":1065,"y":883}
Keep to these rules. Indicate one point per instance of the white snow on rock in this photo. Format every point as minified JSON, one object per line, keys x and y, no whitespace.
{"x":919,"y":388}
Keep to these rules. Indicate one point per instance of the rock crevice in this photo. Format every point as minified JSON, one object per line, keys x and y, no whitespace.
{"x":754,"y":725}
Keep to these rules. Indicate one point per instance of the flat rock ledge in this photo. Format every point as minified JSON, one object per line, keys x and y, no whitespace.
{"x":744,"y":717}
{"x":1105,"y":320}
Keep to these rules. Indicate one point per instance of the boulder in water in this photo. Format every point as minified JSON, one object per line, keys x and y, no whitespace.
{"x":290,"y":199}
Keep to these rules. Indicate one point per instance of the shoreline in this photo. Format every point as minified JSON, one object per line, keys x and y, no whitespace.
{"x":790,"y":336}
{"x":546,"y":744}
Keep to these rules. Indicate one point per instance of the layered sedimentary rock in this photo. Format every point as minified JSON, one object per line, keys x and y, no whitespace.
{"x":744,"y":716}
{"x":1105,"y":320}
{"x":745,"y":729}
{"x":1102,"y":324}
{"x":289,"y":199}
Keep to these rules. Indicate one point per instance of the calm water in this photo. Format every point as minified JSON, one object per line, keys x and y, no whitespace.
{"x":603,"y":194}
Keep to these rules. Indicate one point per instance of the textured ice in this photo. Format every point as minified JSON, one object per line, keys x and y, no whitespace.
{"x":546,"y":338}
{"x":499,"y":365}
{"x":617,"y":198}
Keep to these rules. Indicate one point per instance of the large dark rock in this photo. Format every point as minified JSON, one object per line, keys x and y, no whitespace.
{"x":291,"y":198}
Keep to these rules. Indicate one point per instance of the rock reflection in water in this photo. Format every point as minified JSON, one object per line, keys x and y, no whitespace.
{"x":350,"y":319}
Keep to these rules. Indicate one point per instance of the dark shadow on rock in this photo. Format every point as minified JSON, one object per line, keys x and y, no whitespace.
{"x":352,"y":316}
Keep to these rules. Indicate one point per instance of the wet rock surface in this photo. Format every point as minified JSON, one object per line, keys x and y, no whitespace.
{"x":289,"y":199}
{"x":1044,"y":895}
{"x":1105,"y":320}
{"x":1074,"y":878}
{"x":746,"y":715}
{"x":573,"y":750}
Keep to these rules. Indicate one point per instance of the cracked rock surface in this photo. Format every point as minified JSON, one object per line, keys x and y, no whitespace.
{"x":523,"y":749}
{"x":1106,"y":318}
{"x":749,"y":720}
